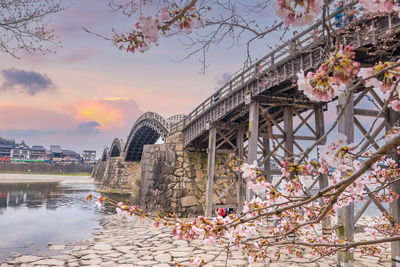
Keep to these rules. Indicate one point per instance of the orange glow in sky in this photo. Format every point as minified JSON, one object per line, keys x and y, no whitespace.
{"x":106,"y":115}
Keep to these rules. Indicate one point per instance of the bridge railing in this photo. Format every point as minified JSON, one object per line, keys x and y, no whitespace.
{"x":176,"y":118}
{"x":278,"y":56}
{"x":153,"y":116}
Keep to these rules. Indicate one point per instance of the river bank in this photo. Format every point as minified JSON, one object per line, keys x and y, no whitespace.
{"x":127,"y":241}
{"x":44,"y":178}
{"x":45,"y":168}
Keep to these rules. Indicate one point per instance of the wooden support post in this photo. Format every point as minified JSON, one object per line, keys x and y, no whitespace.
{"x":267,"y":162}
{"x":391,"y":119}
{"x":210,"y":171}
{"x":323,"y":178}
{"x":240,"y":185}
{"x":345,"y":224}
{"x":253,"y":139}
{"x":288,"y":128}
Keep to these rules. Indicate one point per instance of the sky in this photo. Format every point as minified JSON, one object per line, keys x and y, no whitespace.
{"x":89,"y":92}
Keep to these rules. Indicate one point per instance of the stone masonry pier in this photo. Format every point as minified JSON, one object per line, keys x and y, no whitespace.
{"x":167,"y":178}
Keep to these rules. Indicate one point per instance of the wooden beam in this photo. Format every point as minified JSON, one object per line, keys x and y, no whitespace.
{"x":224,"y":125}
{"x":240,"y":187}
{"x":367,"y":112}
{"x":253,"y":139}
{"x":210,"y":171}
{"x":323,"y":178}
{"x":289,"y":100}
{"x":295,"y":137}
{"x":392,"y":118}
{"x":225,"y":151}
{"x":346,"y":214}
{"x":288,"y":129}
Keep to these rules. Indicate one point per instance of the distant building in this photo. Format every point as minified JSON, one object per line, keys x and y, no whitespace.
{"x":56,"y":153}
{"x":70,"y":156}
{"x":38,"y":153}
{"x":5,"y":152}
{"x":20,"y":152}
{"x":89,"y":156}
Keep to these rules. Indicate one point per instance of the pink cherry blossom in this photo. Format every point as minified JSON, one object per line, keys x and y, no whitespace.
{"x":298,"y":13}
{"x":165,"y":14}
{"x":249,"y":171}
{"x":380,"y":5}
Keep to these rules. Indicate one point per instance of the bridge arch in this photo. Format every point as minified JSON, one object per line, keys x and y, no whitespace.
{"x":104,"y":157}
{"x":116,"y":148}
{"x":146,"y":130}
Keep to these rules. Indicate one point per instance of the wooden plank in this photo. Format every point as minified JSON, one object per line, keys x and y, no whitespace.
{"x":210,"y":171}
{"x":346,"y":214}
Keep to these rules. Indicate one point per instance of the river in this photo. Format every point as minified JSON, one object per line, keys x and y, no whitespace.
{"x":39,"y":210}
{"x":36,"y":211}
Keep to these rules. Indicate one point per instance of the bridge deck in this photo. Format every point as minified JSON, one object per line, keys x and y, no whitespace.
{"x":272,"y":79}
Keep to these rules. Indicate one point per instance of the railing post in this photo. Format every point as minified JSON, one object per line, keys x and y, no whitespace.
{"x":253,"y":138}
{"x":392,"y":118}
{"x":210,"y":170}
{"x":345,"y":224}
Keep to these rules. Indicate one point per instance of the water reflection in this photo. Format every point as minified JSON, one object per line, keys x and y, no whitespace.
{"x":33,"y":215}
{"x":31,"y":195}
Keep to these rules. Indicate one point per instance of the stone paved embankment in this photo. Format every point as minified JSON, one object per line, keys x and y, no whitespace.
{"x":126,"y":241}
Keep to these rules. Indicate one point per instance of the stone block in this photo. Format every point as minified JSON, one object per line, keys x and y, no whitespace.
{"x":199,"y":174}
{"x":189,"y":201}
{"x":178,"y":172}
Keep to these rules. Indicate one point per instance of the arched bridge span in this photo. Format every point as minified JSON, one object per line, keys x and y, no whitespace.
{"x":104,"y":156}
{"x":146,"y":130}
{"x":116,"y":148}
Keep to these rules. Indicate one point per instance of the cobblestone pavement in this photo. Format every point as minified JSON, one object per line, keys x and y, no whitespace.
{"x":126,"y":241}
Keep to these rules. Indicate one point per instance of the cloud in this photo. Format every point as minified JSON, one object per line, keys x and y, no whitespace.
{"x":27,"y":82}
{"x":80,"y":55}
{"x":226,"y":77}
{"x":109,"y":113}
{"x":88,"y":124}
{"x":90,"y":127}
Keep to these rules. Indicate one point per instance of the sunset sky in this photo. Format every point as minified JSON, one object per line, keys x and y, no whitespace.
{"x":89,"y":92}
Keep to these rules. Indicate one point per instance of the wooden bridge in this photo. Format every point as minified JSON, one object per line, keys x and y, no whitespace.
{"x":235,"y":119}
